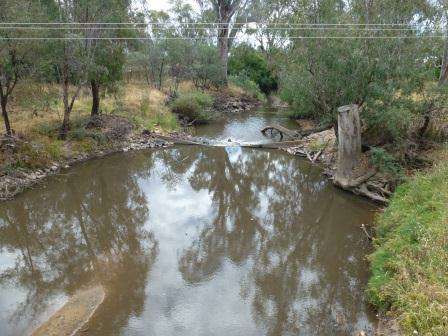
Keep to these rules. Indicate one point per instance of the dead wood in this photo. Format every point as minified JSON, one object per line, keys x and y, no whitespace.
{"x":315,"y":130}
{"x":282,"y":130}
{"x":319,"y":153}
{"x":364,"y":191}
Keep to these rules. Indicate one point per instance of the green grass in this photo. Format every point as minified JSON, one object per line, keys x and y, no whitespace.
{"x":410,"y":264}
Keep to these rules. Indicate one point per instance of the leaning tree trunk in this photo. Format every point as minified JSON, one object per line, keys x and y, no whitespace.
{"x":65,"y":124}
{"x":4,"y":101}
{"x":95,"y":86}
{"x":349,"y":145}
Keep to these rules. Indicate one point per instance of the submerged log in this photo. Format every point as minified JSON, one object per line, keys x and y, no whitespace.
{"x":282,"y":130}
{"x":274,"y":145}
{"x":179,"y":141}
{"x":74,"y":314}
{"x":349,"y":145}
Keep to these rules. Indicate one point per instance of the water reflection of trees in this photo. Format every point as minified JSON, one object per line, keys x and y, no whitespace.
{"x":288,"y":224}
{"x":82,"y":229}
{"x":271,"y":213}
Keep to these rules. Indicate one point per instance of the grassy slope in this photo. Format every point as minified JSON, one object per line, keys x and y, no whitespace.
{"x":410,"y":264}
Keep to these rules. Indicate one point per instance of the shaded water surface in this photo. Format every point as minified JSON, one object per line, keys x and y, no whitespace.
{"x":189,"y":241}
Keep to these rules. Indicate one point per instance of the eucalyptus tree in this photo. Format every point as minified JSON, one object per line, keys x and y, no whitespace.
{"x":226,"y":11}
{"x":272,"y":19}
{"x":105,"y":57}
{"x":68,"y":53}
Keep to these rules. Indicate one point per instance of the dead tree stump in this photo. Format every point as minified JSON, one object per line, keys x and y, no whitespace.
{"x":349,"y":145}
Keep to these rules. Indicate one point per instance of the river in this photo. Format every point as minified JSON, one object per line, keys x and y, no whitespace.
{"x":190,"y":240}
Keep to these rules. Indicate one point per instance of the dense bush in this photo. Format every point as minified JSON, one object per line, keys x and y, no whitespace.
{"x":194,"y":106}
{"x":245,"y":61}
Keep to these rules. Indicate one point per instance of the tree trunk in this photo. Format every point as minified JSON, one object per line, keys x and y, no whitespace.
{"x":65,"y":125}
{"x":66,"y":121}
{"x":4,"y":101}
{"x":223,"y":45}
{"x":95,"y":86}
{"x":349,"y":144}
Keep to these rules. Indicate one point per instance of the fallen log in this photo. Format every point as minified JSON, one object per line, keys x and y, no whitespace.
{"x":295,"y":133}
{"x":74,"y":314}
{"x":315,"y":130}
{"x":282,"y":130}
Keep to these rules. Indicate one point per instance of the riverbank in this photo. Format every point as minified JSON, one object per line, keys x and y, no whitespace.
{"x":20,"y":179}
{"x":131,"y":119}
{"x":409,"y":282}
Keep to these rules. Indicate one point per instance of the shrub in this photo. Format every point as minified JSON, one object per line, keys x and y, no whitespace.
{"x":78,"y":133}
{"x":385,"y":162}
{"x":166,"y":121}
{"x":98,"y":136}
{"x":30,"y":156}
{"x":144,"y":105}
{"x":49,"y":129}
{"x":54,"y":149}
{"x":194,"y":105}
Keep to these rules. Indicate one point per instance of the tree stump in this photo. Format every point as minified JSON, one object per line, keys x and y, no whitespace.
{"x":349,"y":145}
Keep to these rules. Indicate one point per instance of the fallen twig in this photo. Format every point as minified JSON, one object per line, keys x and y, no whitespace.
{"x":363,"y":227}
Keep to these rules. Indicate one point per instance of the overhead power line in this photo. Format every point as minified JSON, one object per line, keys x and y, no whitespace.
{"x":205,"y":23}
{"x":207,"y":38}
{"x":204,"y":28}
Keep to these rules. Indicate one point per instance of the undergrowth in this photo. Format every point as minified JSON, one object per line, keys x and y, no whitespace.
{"x":195,"y":106}
{"x":37,"y":119}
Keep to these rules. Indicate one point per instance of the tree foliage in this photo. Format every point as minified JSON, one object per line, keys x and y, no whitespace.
{"x":247,"y":61}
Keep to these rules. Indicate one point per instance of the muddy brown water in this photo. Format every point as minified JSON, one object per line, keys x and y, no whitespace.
{"x":190,"y":241}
